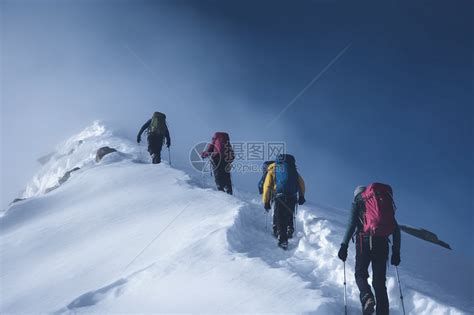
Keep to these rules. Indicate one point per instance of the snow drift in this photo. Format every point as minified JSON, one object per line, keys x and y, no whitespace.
{"x":123,"y":235}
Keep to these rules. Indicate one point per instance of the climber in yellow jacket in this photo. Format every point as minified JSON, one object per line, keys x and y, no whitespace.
{"x":285,"y":184}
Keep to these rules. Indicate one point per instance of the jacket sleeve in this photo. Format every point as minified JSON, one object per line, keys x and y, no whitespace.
{"x":145,"y":126}
{"x":352,"y":223}
{"x":396,"y":240}
{"x":301,"y":186}
{"x":261,"y":182}
{"x":167,"y":136}
{"x":269,"y":184}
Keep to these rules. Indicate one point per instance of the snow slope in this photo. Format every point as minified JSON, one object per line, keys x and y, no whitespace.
{"x":123,"y":235}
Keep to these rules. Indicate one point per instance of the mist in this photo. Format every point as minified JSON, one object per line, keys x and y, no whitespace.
{"x":234,"y":68}
{"x":67,"y":69}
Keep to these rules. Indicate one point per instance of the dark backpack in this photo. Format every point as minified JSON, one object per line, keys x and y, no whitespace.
{"x":157,"y":124}
{"x":286,"y":176}
{"x":265,"y":166}
{"x":222,"y":146}
{"x":379,"y":216}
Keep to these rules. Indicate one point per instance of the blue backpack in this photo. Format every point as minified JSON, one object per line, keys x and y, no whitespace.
{"x":286,"y":175}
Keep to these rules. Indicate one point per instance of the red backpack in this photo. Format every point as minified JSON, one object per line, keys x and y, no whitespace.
{"x":221,"y":143}
{"x":379,"y":218}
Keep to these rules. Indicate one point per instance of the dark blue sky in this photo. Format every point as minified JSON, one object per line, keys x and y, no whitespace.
{"x":396,"y":107}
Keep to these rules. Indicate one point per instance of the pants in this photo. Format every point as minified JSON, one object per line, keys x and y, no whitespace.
{"x":291,"y":225}
{"x":283,"y":217}
{"x":155,"y":144}
{"x":222,"y":176}
{"x":378,"y":257}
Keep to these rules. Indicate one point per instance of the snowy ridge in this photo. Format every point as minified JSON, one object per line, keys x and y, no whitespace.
{"x":126,"y":236}
{"x":79,"y":151}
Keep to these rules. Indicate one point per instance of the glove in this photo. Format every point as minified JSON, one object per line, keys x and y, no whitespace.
{"x":395,"y":258}
{"x":204,"y":154}
{"x":138,"y":139}
{"x":342,"y":252}
{"x":301,"y":200}
{"x":267,"y":206}
{"x":168,"y":145}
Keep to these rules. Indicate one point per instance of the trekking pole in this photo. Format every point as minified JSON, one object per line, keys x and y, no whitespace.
{"x":345,"y":293}
{"x":294,"y":218}
{"x":400,"y":288}
{"x":266,"y":216}
{"x":169,"y":155}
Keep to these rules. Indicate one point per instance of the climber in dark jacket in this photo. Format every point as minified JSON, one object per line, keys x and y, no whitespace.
{"x":368,"y":251}
{"x":157,"y":131}
{"x":221,"y":155}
